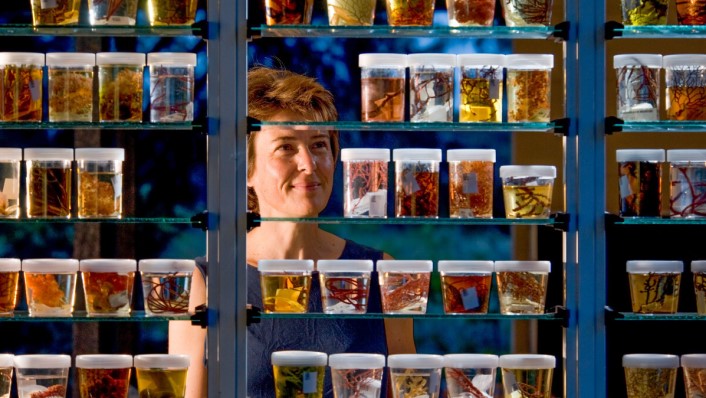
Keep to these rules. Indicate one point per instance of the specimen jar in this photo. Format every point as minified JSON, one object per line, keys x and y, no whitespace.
{"x":382,"y":86}
{"x":48,"y":182}
{"x":527,"y":12}
{"x":415,"y":375}
{"x":694,"y":367}
{"x":285,"y":284}
{"x":160,"y":375}
{"x":654,"y":285}
{"x":70,"y":86}
{"x":410,"y":12}
{"x":173,"y":12}
{"x":404,"y":285}
{"x":112,"y":12}
{"x":44,"y":375}
{"x":120,"y":85}
{"x":22,"y":75}
{"x":687,"y":182}
{"x":691,"y":12}
{"x":365,"y":181}
{"x":685,"y":78}
{"x":470,"y":182}
{"x":10,"y":162}
{"x":50,"y":286}
{"x":299,"y":373}
{"x":698,"y":269}
{"x":107,"y":285}
{"x":644,"y":12}
{"x":417,"y":182}
{"x":356,"y":375}
{"x":465,"y":286}
{"x":289,"y":12}
{"x":471,"y":12}
{"x":640,"y":181}
{"x":100,"y":182}
{"x":7,"y":363}
{"x":470,"y":375}
{"x":171,"y":87}
{"x":166,"y":285}
{"x":351,"y":13}
{"x":55,"y":12}
{"x":345,"y":285}
{"x":527,"y":375}
{"x":431,"y":87}
{"x":522,"y":286}
{"x":527,"y":190}
{"x":481,"y":87}
{"x":650,"y":375}
{"x":638,"y":86}
{"x":529,"y":87}
{"x":9,"y":280}
{"x":103,"y":375}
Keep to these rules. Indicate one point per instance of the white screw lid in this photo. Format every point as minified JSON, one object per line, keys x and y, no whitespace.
{"x":404,"y":266}
{"x":669,"y":61}
{"x":43,"y":361}
{"x":431,"y":59}
{"x":415,"y":361}
{"x":649,"y":60}
{"x":693,"y":361}
{"x":20,"y":58}
{"x":162,"y":361}
{"x":639,"y":155}
{"x":166,"y":265}
{"x":686,"y":155}
{"x":529,"y":61}
{"x":120,"y":58}
{"x":108,"y":265}
{"x":650,"y":361}
{"x":698,"y":266}
{"x":480,"y":60}
{"x":421,"y":154}
{"x":10,"y":264}
{"x":455,"y":266}
{"x":10,"y":153}
{"x":344,"y":265}
{"x":349,"y":154}
{"x":50,"y":265}
{"x":468,"y":361}
{"x":382,"y":60}
{"x":299,"y":358}
{"x":523,"y":266}
{"x":100,"y":154}
{"x":49,"y":154}
{"x":103,"y":361}
{"x":285,"y":265}
{"x":7,"y":360}
{"x":527,"y":171}
{"x":71,"y":59}
{"x":527,"y":361}
{"x":356,"y":361}
{"x":455,"y":155}
{"x":659,"y":266}
{"x":171,"y":59}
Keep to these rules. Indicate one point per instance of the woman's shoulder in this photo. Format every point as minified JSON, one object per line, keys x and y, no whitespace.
{"x":353,"y":251}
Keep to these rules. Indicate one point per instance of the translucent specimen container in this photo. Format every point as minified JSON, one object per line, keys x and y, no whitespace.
{"x":161,"y":375}
{"x":522,"y":286}
{"x":654,"y":285}
{"x":70,"y":86}
{"x":365,"y":181}
{"x":527,"y":190}
{"x":21,"y":87}
{"x":471,"y":12}
{"x":404,"y":285}
{"x":351,"y":13}
{"x":120,"y":86}
{"x":356,"y":375}
{"x":687,"y":182}
{"x":285,"y":284}
{"x":527,"y":375}
{"x":50,"y":286}
{"x":172,"y":12}
{"x":48,"y":182}
{"x":103,"y":375}
{"x":640,"y":12}
{"x":685,"y":77}
{"x":166,"y":285}
{"x":691,"y":12}
{"x":55,"y":12}
{"x":7,"y":363}
{"x":42,"y":375}
{"x":107,"y":285}
{"x":529,"y":87}
{"x":640,"y":181}
{"x":299,"y":373}
{"x":638,"y":86}
{"x":481,"y":87}
{"x":470,"y":182}
{"x":470,"y":375}
{"x":382,"y":86}
{"x":415,"y":375}
{"x":9,"y":281}
{"x":650,"y":375}
{"x":410,"y":12}
{"x":417,"y":182}
{"x":100,"y":182}
{"x":465,"y":286}
{"x":694,"y":367}
{"x":171,"y":87}
{"x":10,"y":165}
{"x":431,"y":87}
{"x":112,"y":12}
{"x":527,"y":12}
{"x":698,"y":269}
{"x":345,"y":285}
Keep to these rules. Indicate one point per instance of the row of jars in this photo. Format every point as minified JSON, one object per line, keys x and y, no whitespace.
{"x":122,"y":12}
{"x":655,"y":375}
{"x":97,"y":375}
{"x":50,"y":285}
{"x":654,"y":285}
{"x":527,"y":190}
{"x":48,"y":180}
{"x":639,"y":89}
{"x":432,"y":87}
{"x":639,"y":12}
{"x":404,"y":285}
{"x":411,"y":375}
{"x":70,"y":87}
{"x":640,"y":180}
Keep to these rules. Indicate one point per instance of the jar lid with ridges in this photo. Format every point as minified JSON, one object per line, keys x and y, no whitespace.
{"x":50,"y":265}
{"x":698,"y":266}
{"x":285,"y":265}
{"x":43,"y":361}
{"x":657,"y":266}
{"x":382,"y":60}
{"x":422,"y":154}
{"x":686,"y":155}
{"x":344,"y":265}
{"x":527,"y":171}
{"x":356,"y":361}
{"x":639,"y":155}
{"x":523,"y":266}
{"x":650,"y":361}
{"x":431,"y":59}
{"x":527,"y":361}
{"x":299,"y":358}
{"x":10,"y":154}
{"x":20,"y":58}
{"x":104,"y":361}
{"x":649,"y":60}
{"x":457,"y":155}
{"x":471,"y":361}
{"x":348,"y":154}
{"x":124,"y":58}
{"x":100,"y":154}
{"x":529,"y":61}
{"x":415,"y":361}
{"x":10,"y":264}
{"x":108,"y":265}
{"x":71,"y":59}
{"x":171,"y":59}
{"x":7,"y":360}
{"x":49,"y":154}
{"x":404,"y":265}
{"x":697,"y":361}
{"x":162,"y":361}
{"x":166,"y":265}
{"x":480,"y":60}
{"x":670,"y":61}
{"x":461,"y":266}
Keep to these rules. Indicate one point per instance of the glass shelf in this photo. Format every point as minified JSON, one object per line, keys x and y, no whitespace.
{"x":124,"y":220}
{"x":479,"y":317}
{"x":662,"y":31}
{"x":658,"y":221}
{"x":414,"y":221}
{"x":683,"y":316}
{"x":99,"y":31}
{"x":407,"y":126}
{"x":80,"y":316}
{"x":663,"y":126}
{"x":96,"y":126}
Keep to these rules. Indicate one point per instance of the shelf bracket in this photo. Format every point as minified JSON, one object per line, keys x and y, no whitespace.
{"x":252,"y":314}
{"x":562,"y":314}
{"x":611,"y":315}
{"x":612,"y":219}
{"x":200,"y":318}
{"x":253,"y":220}
{"x":561,"y":126}
{"x":562,"y":30}
{"x":201,"y":28}
{"x":613,"y":29}
{"x":561,"y":221}
{"x":612,"y":124}
{"x":200,"y":221}
{"x":252,"y":122}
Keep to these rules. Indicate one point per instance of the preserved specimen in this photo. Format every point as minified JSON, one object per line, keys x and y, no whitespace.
{"x":528,"y":96}
{"x":470,"y":12}
{"x":644,"y":12}
{"x":103,"y":383}
{"x":650,"y":382}
{"x":383,"y":99}
{"x":161,"y":382}
{"x":55,"y":12}
{"x":288,"y":12}
{"x":431,"y":94}
{"x":351,"y":12}
{"x":171,"y":12}
{"x":410,"y":12}
{"x":654,"y":292}
{"x":527,"y":12}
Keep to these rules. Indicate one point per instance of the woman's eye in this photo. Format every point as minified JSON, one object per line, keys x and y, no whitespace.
{"x":320,"y":145}
{"x":285,"y":148}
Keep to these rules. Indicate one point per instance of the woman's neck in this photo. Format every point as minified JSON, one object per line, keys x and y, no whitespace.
{"x":284,"y":240}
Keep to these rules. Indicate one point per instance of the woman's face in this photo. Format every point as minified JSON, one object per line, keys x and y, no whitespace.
{"x":293,"y":170}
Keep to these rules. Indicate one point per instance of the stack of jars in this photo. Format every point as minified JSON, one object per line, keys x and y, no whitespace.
{"x":104,"y":12}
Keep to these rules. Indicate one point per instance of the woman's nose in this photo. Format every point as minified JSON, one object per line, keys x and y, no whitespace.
{"x":306,"y":161}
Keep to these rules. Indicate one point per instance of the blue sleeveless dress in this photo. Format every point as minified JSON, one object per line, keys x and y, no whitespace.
{"x":324,"y":335}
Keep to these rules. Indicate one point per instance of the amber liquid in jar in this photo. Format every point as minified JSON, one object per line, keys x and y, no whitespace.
{"x":5,"y":382}
{"x":285,"y":293}
{"x":50,"y":294}
{"x":49,"y":191}
{"x":522,"y":292}
{"x":161,"y":382}
{"x":99,"y":194}
{"x":55,"y":12}
{"x":686,"y":103}
{"x":103,"y":383}
{"x":383,"y":99}
{"x":650,"y":383}
{"x":404,"y":292}
{"x":527,"y":201}
{"x":471,"y":12}
{"x":528,"y":96}
{"x":171,"y":12}
{"x":654,"y":293}
{"x":344,"y":293}
{"x":120,"y":93}
{"x":166,"y":294}
{"x":700,"y":292}
{"x":22,"y":93}
{"x":694,"y":382}
{"x":108,"y":293}
{"x":410,"y":12}
{"x":70,"y":95}
{"x":8,"y":292}
{"x":691,"y":12}
{"x":299,"y":381}
{"x":471,"y":189}
{"x":466,"y":293}
{"x":351,"y":13}
{"x":527,"y":382}
{"x":481,"y":100}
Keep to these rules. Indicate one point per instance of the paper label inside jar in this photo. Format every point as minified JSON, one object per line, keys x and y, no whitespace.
{"x":470,"y":298}
{"x":35,"y":87}
{"x":309,"y":382}
{"x":117,"y":186}
{"x":624,"y":187}
{"x":434,"y":380}
{"x":409,"y":184}
{"x":378,"y":203}
{"x":470,"y":183}
{"x":45,"y":4}
{"x":494,"y":89}
{"x":10,"y":188}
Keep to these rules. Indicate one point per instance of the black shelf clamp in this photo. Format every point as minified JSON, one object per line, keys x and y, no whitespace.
{"x":561,"y":126}
{"x":253,"y":124}
{"x":613,"y":124}
{"x":200,"y":221}
{"x":201,"y":28}
{"x":612,"y":219}
{"x":613,"y":29}
{"x":561,"y":314}
{"x":562,"y":30}
{"x":200,"y":317}
{"x":612,"y":315}
{"x":561,"y":221}
{"x":252,"y":314}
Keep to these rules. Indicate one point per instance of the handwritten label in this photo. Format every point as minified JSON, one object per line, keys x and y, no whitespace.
{"x":470,"y":183}
{"x":624,"y":187}
{"x":309,"y":382}
{"x":470,"y":298}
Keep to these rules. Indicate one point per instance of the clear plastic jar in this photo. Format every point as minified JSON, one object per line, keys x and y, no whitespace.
{"x":100,"y":182}
{"x":48,"y":182}
{"x":285,"y":285}
{"x":465,"y":286}
{"x":481,"y":87}
{"x":529,"y":87}
{"x":431,"y":87}
{"x":7,"y":363}
{"x":654,"y":285}
{"x":10,"y":161}
{"x":105,"y":12}
{"x":415,"y":375}
{"x":417,"y":182}
{"x":171,"y":87}
{"x":527,"y":12}
{"x":48,"y":373}
{"x":685,"y":77}
{"x":698,"y":270}
{"x":161,"y":375}
{"x":107,"y":286}
{"x":382,"y":87}
{"x":22,"y":75}
{"x":404,"y":285}
{"x":470,"y":182}
{"x":527,"y":190}
{"x":356,"y":375}
{"x":9,"y":279}
{"x":70,"y":86}
{"x":471,"y":12}
{"x":365,"y":181}
{"x":50,"y":286}
{"x":172,"y":12}
{"x":527,"y":374}
{"x":299,"y":373}
{"x":691,"y":12}
{"x":638,"y":86}
{"x":55,"y":12}
{"x":640,"y":182}
{"x":522,"y":286}
{"x":687,"y":182}
{"x":694,"y":367}
{"x":345,"y":285}
{"x":468,"y":375}
{"x":641,"y":13}
{"x":166,"y":285}
{"x":120,"y":86}
{"x":346,"y":13}
{"x":103,"y":375}
{"x":410,"y":12}
{"x":650,"y":375}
